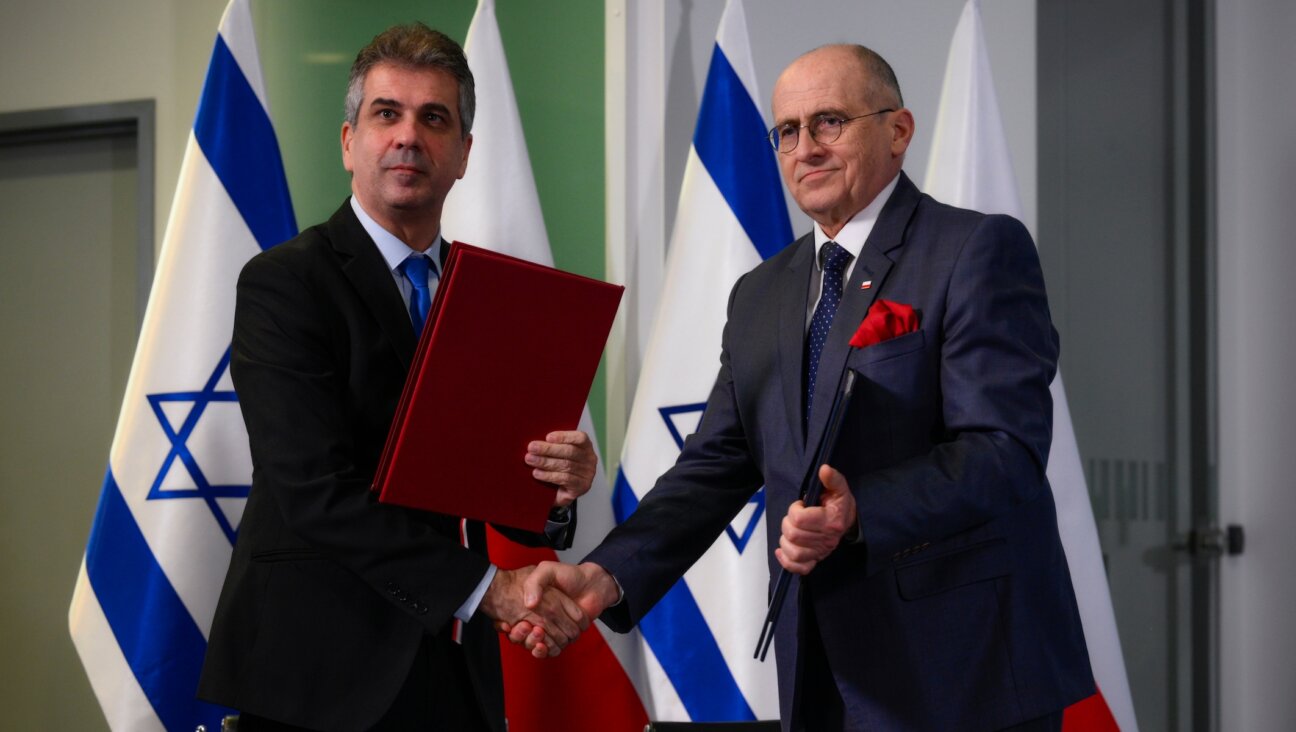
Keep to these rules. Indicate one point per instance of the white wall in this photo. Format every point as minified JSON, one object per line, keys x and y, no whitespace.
{"x":1256,"y":106}
{"x":61,"y":53}
{"x":64,"y":53}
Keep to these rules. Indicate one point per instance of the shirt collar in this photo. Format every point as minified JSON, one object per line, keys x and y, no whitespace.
{"x":857,"y":230}
{"x":393,"y":250}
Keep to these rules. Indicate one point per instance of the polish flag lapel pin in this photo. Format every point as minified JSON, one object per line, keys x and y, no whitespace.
{"x":866,"y":284}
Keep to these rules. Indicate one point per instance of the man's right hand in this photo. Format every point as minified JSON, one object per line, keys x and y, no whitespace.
{"x":811,"y":533}
{"x":552,"y":620}
{"x":588,"y":584}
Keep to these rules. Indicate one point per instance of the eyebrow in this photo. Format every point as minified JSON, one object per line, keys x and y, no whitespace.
{"x":826,"y":112}
{"x":429,"y":107}
{"x":437,"y":107}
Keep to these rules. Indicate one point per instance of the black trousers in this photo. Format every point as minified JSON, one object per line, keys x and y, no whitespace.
{"x":436,"y":696}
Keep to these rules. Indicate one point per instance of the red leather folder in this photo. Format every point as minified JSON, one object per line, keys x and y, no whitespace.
{"x":508,"y":355}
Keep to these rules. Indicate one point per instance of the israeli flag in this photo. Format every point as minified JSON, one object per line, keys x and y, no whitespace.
{"x":179,"y":470}
{"x":731,"y":216}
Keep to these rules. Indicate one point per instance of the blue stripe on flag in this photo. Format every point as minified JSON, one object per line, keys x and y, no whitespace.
{"x":730,"y":141}
{"x":624,"y":501}
{"x":682,"y":641}
{"x":235,"y":134}
{"x":158,"y":637}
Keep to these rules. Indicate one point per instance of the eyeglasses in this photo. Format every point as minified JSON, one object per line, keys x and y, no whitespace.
{"x":824,"y":129}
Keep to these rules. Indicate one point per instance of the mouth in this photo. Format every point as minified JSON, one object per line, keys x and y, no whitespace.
{"x":408,"y":169}
{"x":814,"y":175}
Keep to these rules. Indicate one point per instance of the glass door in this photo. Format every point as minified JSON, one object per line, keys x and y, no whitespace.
{"x":1125,"y":237}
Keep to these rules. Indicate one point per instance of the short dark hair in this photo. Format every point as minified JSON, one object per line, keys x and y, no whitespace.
{"x":417,"y":46}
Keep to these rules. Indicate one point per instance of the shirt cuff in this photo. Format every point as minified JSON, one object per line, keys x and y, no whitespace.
{"x":469,"y":606}
{"x":620,"y":591}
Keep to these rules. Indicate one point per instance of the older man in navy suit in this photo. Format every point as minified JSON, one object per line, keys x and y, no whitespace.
{"x":933,"y":592}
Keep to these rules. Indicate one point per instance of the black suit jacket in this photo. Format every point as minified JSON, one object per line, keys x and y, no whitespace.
{"x":330,"y":593}
{"x":955,"y":609}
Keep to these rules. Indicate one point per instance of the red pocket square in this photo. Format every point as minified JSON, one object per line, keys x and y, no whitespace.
{"x":885,"y":320}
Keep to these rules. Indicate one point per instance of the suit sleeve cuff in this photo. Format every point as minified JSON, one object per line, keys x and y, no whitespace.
{"x":856,"y":534}
{"x":469,"y":606}
{"x":558,"y":526}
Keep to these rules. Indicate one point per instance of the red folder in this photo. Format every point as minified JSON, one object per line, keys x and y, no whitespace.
{"x":508,"y":355}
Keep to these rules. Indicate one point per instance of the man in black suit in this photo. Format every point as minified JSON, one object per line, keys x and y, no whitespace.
{"x":338,"y":612}
{"x":932,"y":592}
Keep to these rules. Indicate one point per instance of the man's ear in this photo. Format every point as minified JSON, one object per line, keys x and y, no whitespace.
{"x":463,"y":165}
{"x":902,"y":131}
{"x":348,"y":135}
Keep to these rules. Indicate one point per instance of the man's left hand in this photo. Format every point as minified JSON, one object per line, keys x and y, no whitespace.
{"x":810,"y":534}
{"x":565,"y":459}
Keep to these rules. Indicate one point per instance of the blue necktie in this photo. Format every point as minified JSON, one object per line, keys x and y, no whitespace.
{"x":834,"y":258}
{"x":415,"y":269}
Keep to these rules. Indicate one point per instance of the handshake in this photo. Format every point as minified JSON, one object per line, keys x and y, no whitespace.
{"x":546,"y":606}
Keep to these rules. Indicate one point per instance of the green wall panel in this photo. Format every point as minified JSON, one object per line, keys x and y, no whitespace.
{"x":555,"y":54}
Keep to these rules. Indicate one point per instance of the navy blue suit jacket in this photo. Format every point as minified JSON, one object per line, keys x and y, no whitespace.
{"x":954,"y":610}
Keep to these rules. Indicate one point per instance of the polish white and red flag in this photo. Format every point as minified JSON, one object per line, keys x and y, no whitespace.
{"x":589,"y":687}
{"x":970,"y":167}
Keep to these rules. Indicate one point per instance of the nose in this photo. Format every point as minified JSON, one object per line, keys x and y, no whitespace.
{"x":405,"y":133}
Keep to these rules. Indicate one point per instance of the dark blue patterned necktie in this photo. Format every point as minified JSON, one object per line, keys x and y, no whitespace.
{"x":834,"y":258}
{"x":416,"y":270}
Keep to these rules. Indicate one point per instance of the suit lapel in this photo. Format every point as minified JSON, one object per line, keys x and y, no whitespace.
{"x":367,"y":271}
{"x":793,"y":293}
{"x":876,"y":260}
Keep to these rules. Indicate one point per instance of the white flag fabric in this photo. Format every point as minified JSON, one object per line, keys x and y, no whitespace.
{"x":699,"y":638}
{"x":970,"y":167}
{"x":179,"y":470}
{"x":591,"y":686}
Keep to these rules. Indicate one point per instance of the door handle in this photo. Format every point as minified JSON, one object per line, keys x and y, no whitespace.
{"x":1214,"y":541}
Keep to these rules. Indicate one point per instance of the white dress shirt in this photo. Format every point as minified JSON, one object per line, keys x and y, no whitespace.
{"x":851,"y":238}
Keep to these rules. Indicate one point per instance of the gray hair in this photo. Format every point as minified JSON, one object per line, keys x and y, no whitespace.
{"x":417,"y":46}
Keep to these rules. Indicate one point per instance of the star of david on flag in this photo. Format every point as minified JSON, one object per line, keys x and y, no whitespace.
{"x":195,"y":405}
{"x":731,"y":215}
{"x":154,"y":565}
{"x":744,"y":525}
